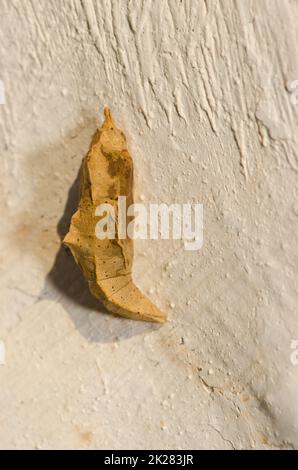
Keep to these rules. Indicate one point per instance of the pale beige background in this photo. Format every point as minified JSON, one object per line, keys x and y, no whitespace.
{"x":202,"y":90}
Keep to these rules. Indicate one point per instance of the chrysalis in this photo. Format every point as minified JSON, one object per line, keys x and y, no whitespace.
{"x":107,"y":174}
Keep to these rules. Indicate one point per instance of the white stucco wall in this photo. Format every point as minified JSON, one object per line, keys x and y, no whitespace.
{"x":202,"y":90}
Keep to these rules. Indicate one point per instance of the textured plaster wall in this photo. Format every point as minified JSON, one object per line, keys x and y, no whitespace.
{"x":202,"y":90}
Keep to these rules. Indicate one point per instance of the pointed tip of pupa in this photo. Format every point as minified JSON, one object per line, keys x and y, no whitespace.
{"x":108,"y":116}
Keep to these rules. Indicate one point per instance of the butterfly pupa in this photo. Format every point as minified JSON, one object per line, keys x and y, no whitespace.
{"x":107,"y":173}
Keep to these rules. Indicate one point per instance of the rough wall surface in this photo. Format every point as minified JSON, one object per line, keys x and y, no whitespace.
{"x":202,"y":90}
